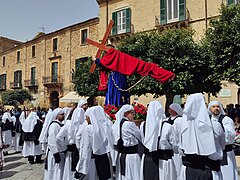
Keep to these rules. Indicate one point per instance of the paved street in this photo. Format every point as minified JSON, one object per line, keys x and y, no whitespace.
{"x":17,"y":168}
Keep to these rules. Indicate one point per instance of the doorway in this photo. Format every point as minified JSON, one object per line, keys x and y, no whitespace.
{"x":54,"y":99}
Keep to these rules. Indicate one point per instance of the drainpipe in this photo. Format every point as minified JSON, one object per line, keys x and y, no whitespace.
{"x":107,"y":14}
{"x":206,"y":15}
{"x":206,"y":26}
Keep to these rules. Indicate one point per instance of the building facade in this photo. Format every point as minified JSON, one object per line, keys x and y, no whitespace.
{"x":131,"y":16}
{"x":45,"y":64}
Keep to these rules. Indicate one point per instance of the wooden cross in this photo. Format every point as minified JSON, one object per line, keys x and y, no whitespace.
{"x":101,"y":47}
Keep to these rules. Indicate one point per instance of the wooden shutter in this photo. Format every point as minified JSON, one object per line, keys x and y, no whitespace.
{"x":163,"y":12}
{"x":114,"y":29}
{"x":128,"y":20}
{"x":182,"y":10}
{"x":20,"y":78}
{"x":15,"y":77}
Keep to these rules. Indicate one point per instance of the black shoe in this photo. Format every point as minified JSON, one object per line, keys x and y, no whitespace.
{"x":31,"y":162}
{"x":39,"y":161}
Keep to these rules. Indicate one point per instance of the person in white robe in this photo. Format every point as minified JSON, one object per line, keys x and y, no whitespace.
{"x":44,"y":132}
{"x":31,"y":129}
{"x":198,"y":142}
{"x":159,"y":139}
{"x":72,"y":153}
{"x":67,"y":112}
{"x":2,"y":146}
{"x":76,"y":120}
{"x":7,"y":128}
{"x":228,"y":164}
{"x":54,"y":163}
{"x":17,"y":129}
{"x":126,"y":138}
{"x":94,"y":161}
{"x":176,"y":113}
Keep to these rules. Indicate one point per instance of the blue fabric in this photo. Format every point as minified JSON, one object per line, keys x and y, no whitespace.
{"x":114,"y":96}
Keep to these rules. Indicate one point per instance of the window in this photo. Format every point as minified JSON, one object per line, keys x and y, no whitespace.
{"x":33,"y":75}
{"x":122,"y":21}
{"x":232,"y":1}
{"x":79,"y":61}
{"x":18,"y":56}
{"x":55,"y":44}
{"x":33,"y":51}
{"x":4,"y":61}
{"x":18,"y":78}
{"x":84,"y":35}
{"x":54,"y":77}
{"x":3,"y":78}
{"x":172,"y":11}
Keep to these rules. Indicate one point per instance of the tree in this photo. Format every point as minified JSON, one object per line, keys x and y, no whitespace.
{"x":174,"y":50}
{"x":15,"y":97}
{"x":223,"y":40}
{"x":86,"y":83}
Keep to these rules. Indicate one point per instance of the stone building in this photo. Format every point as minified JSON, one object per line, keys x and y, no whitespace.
{"x":45,"y":64}
{"x":133,"y":16}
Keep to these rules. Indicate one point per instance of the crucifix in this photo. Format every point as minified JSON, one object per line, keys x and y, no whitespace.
{"x":120,"y":64}
{"x":101,"y":48}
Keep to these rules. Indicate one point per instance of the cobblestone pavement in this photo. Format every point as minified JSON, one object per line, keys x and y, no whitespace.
{"x":17,"y":168}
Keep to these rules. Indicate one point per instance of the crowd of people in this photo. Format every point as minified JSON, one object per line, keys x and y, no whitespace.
{"x":83,"y":143}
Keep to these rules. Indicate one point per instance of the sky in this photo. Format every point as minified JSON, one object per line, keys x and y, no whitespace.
{"x":21,"y":20}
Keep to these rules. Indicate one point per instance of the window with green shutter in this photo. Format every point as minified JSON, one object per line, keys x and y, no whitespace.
{"x":33,"y":75}
{"x":172,"y":11}
{"x":18,"y":78}
{"x":122,"y":21}
{"x":163,"y":12}
{"x":182,"y":14}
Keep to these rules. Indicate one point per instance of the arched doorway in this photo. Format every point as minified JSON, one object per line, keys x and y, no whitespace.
{"x":54,"y":100}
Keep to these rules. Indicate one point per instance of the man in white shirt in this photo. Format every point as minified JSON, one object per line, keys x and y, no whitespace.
{"x":228,"y":164}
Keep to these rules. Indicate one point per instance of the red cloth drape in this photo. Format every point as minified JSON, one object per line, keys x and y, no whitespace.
{"x":103,"y":80}
{"x":128,"y":65}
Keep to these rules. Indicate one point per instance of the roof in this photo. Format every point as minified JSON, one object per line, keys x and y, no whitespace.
{"x":72,"y":96}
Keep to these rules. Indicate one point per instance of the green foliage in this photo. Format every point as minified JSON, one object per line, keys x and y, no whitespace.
{"x":176,"y":51}
{"x":86,"y":83}
{"x":223,"y":40}
{"x":15,"y":97}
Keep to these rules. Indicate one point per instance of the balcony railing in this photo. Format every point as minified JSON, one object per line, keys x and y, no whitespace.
{"x":31,"y":83}
{"x":52,"y":81}
{"x":2,"y":87}
{"x":16,"y":85}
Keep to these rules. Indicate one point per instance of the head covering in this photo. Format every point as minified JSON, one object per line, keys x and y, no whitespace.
{"x":119,"y":116}
{"x":107,"y":125}
{"x":6,"y":116}
{"x":51,"y":116}
{"x":197,"y":131}
{"x":177,"y":108}
{"x":81,"y":102}
{"x":30,"y":122}
{"x":99,"y":136}
{"x":66,"y":111}
{"x":215,"y":103}
{"x":77,"y":119}
{"x":155,"y":116}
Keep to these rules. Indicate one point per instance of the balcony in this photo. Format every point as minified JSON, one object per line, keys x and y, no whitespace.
{"x":2,"y":87}
{"x":52,"y":81}
{"x":31,"y":83}
{"x":16,"y":85}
